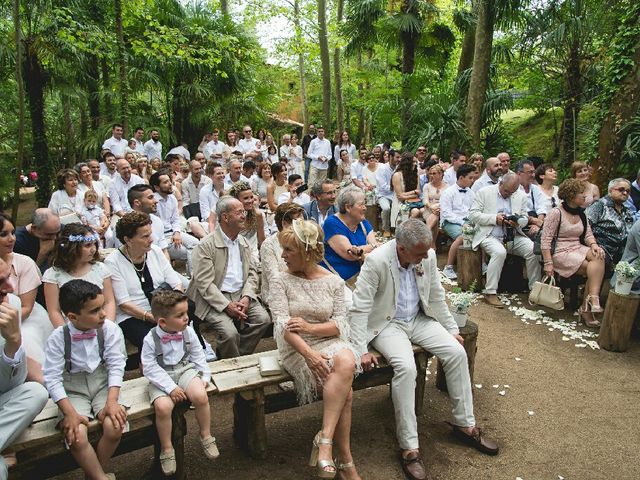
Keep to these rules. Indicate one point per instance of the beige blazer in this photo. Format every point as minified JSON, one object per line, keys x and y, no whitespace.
{"x":374,"y":299}
{"x":209,"y":259}
{"x":484,"y":210}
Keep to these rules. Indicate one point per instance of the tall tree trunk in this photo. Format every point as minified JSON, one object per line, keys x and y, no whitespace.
{"x":69,"y":133}
{"x":93,"y":91}
{"x":34,"y":83}
{"x":122,"y":68}
{"x":571,"y":107}
{"x":409,"y":43}
{"x":19,"y":83}
{"x":301,"y":69}
{"x":325,"y":62}
{"x":624,"y":106}
{"x":480,"y":73}
{"x":337,"y":74}
{"x":84,"y":127}
{"x":224,"y":7}
{"x":106,"y":87}
{"x":468,"y":47}
{"x":360,"y":136}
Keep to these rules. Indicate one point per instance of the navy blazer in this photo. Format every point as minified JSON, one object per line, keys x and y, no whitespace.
{"x":311,"y":211}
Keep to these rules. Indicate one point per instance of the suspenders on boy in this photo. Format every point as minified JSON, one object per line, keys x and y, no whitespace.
{"x":67,"y":346}
{"x":186,"y":346}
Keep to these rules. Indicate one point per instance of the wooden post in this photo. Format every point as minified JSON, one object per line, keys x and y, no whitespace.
{"x":372,"y":216}
{"x":619,"y":315}
{"x":469,"y":267}
{"x":470,"y":334}
{"x":421,"y":367}
{"x":178,"y":431}
{"x":250,"y":431}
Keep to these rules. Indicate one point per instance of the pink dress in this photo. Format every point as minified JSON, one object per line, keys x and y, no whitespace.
{"x":570,"y":253}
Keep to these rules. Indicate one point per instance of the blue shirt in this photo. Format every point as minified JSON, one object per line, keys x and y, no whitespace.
{"x":334,"y":226}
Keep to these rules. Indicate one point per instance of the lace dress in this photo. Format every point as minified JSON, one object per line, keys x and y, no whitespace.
{"x":316,"y":301}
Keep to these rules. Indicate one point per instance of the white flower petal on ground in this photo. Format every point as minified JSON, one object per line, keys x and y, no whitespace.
{"x":502,"y":393}
{"x":496,"y":386}
{"x":507,"y":386}
{"x":518,"y":359}
{"x":531,"y":413}
{"x":478,"y":385}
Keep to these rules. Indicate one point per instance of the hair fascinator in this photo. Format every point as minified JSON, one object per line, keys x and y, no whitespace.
{"x":307,"y":232}
{"x":93,"y":237}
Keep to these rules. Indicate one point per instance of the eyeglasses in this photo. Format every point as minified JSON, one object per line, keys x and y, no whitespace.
{"x":623,"y":190}
{"x":421,"y":150}
{"x":247,"y":131}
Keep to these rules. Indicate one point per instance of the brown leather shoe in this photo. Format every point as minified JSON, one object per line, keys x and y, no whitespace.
{"x":412,"y":466}
{"x":493,"y":300}
{"x":477,"y":440}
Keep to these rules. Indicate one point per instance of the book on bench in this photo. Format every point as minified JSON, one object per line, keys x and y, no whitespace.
{"x":269,"y":366}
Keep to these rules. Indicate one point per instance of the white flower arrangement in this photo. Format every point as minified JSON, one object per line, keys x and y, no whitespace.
{"x":469,"y":229}
{"x":628,"y":270}
{"x":461,"y":301}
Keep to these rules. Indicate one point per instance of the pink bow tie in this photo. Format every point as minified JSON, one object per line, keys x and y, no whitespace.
{"x":168,"y":338}
{"x":83,"y":336}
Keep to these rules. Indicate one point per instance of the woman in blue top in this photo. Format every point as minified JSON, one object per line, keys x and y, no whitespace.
{"x":348,"y":236}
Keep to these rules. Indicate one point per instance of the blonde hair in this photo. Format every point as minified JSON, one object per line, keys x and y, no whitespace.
{"x":91,"y":195}
{"x":312,"y":251}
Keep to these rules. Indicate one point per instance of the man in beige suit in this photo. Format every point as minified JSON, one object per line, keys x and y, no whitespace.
{"x":399,"y":300}
{"x":224,"y":286}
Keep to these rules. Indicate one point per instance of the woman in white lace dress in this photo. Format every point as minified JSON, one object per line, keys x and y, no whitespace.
{"x":312,"y":333}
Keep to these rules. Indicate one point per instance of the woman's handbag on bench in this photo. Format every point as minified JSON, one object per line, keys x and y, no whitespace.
{"x":547,"y":294}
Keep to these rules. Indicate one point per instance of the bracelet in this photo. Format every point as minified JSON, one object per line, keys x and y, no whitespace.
{"x":549,"y":262}
{"x":144,"y":316}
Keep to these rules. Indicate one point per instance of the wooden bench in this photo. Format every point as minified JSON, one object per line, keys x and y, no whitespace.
{"x":41,"y":452}
{"x":256,"y":396}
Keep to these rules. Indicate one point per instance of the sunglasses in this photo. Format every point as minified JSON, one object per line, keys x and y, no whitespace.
{"x":247,"y":131}
{"x":623,"y":190}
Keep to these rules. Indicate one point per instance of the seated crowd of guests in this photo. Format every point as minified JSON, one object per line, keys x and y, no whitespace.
{"x":262,"y":247}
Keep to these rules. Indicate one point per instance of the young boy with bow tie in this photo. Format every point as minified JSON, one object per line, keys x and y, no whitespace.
{"x":174,"y":362}
{"x":83,"y":370}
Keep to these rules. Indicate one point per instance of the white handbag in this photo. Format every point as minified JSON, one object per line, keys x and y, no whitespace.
{"x":547,"y":294}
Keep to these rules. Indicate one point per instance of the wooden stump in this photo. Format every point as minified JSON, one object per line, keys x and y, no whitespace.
{"x":469,"y":267}
{"x":249,"y":429}
{"x":470,"y":334}
{"x":372,"y":216}
{"x":619,"y":315}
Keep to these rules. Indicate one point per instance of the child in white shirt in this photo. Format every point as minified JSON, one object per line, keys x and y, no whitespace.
{"x":174,"y":362}
{"x":83,"y":370}
{"x":94,"y":216}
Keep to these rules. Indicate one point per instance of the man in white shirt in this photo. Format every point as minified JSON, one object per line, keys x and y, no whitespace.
{"x":180,"y":243}
{"x":225,"y":284}
{"x":96,"y":175}
{"x":153,"y":147}
{"x":286,"y":144}
{"x":142,"y":199}
{"x":399,"y":301}
{"x":385,"y":194}
{"x":457,"y":159}
{"x":108,"y":167}
{"x":119,"y":187}
{"x":213,"y":150}
{"x":490,"y":176}
{"x":195,"y":182}
{"x":20,"y":402}
{"x":294,"y":182}
{"x":248,"y":144}
{"x":358,"y":167}
{"x":454,"y":208}
{"x":234,"y":175}
{"x":138,"y":136}
{"x":536,"y":199}
{"x":320,"y":153}
{"x":116,"y":144}
{"x":497,"y":235}
{"x":505,"y":162}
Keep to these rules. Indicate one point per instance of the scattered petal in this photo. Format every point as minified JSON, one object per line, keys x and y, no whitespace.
{"x":565,"y":339}
{"x":496,"y":386}
{"x":502,"y":393}
{"x":478,"y":385}
{"x":518,"y":359}
{"x":531,"y":413}
{"x":560,"y":477}
{"x":507,"y":386}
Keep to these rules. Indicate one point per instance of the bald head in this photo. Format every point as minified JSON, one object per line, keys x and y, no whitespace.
{"x":505,"y":161}
{"x":124,"y":169}
{"x":493,"y":167}
{"x":508,"y":185}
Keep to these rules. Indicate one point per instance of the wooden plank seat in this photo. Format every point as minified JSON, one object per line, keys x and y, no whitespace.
{"x":256,"y":396}
{"x":41,"y":452}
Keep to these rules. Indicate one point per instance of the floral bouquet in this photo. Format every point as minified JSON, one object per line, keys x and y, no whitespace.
{"x":628,"y":270}
{"x":468,"y":231}
{"x":461,"y":301}
{"x":370,"y":196}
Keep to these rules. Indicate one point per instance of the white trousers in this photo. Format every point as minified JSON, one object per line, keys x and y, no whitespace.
{"x":184,"y":251}
{"x":394,"y":343}
{"x":522,"y":247}
{"x":385,"y":205}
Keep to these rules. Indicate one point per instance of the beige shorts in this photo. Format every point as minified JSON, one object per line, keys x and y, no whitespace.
{"x":181,"y":376}
{"x":87,"y":392}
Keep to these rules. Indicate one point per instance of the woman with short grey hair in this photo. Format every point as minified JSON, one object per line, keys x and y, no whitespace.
{"x":348,"y":236}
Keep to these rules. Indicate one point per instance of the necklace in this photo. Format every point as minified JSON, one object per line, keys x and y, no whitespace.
{"x":139,"y":271}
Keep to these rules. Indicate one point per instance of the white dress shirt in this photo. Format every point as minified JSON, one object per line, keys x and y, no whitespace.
{"x":319,"y":148}
{"x":504,"y":206}
{"x":61,"y":204}
{"x":85,"y":357}
{"x":213,"y":148}
{"x":247,"y":145}
{"x":383,"y":181}
{"x":301,"y":199}
{"x":153,"y":149}
{"x":168,"y":213}
{"x":208,"y":200}
{"x":191,"y":191}
{"x":228,"y":183}
{"x":351,"y":148}
{"x":233,"y":278}
{"x":484,"y":181}
{"x":172,"y":353}
{"x":357,"y":170}
{"x":407,"y":298}
{"x":157,"y":232}
{"x":450,"y":176}
{"x":536,"y":199}
{"x":180,"y":150}
{"x":118,"y":189}
{"x":139,"y":146}
{"x":93,"y":217}
{"x":115,"y":146}
{"x":455,"y":205}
